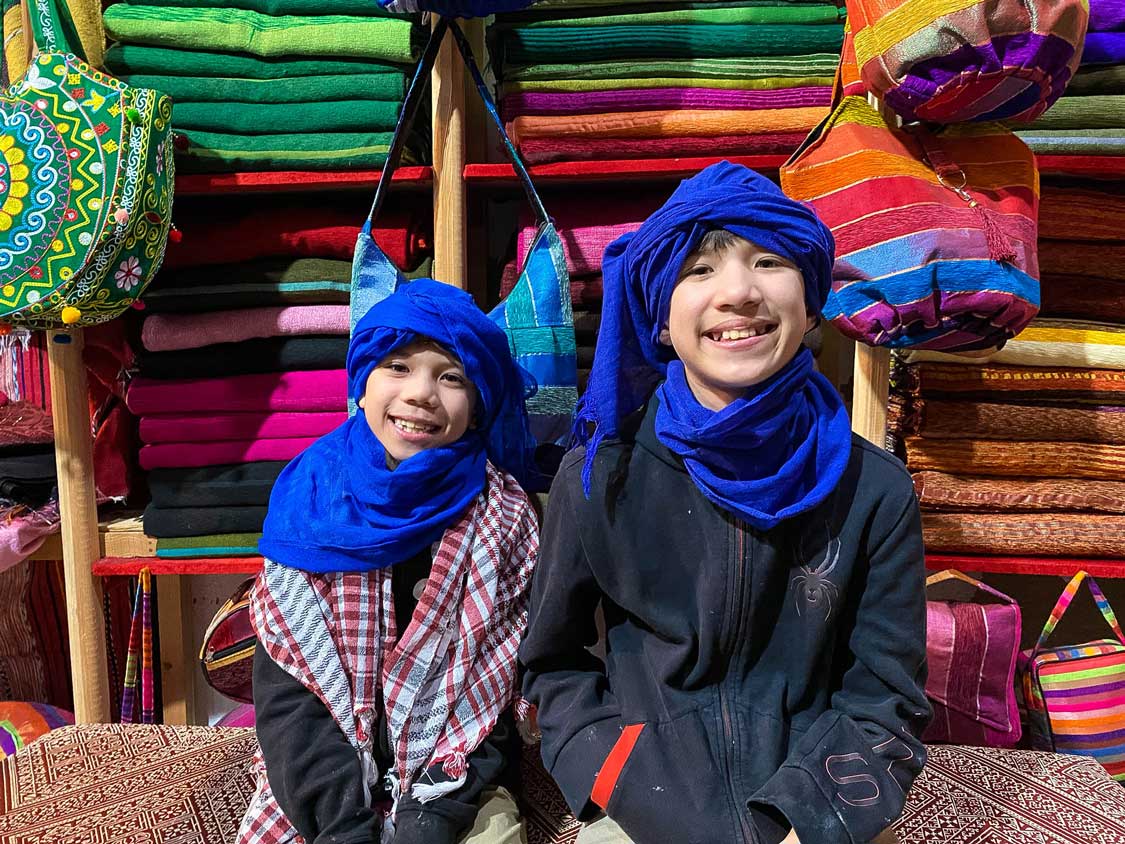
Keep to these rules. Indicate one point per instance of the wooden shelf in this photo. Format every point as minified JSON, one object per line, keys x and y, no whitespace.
{"x":209,"y":184}
{"x":1062,"y":567}
{"x":116,"y":538}
{"x":116,"y":566}
{"x":632,"y":170}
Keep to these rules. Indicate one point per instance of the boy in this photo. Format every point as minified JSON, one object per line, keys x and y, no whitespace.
{"x":399,"y":557}
{"x":759,"y":569}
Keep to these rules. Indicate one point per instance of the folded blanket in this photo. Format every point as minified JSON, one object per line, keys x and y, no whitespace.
{"x":213,"y":545}
{"x":169,"y":332}
{"x":173,"y":455}
{"x":1014,"y":383}
{"x":264,"y":282}
{"x":939,"y":491}
{"x":935,"y":418}
{"x":244,"y":31}
{"x":127,"y":59}
{"x":228,"y":91}
{"x":1017,"y":459}
{"x":240,"y":231}
{"x":620,"y":83}
{"x":1089,"y":112}
{"x":202,"y":521}
{"x":1082,"y":297}
{"x":660,"y":99}
{"x":1074,"y":141}
{"x":215,"y":427}
{"x":279,"y":118}
{"x":1097,"y":260}
{"x":1107,"y":79}
{"x":288,"y":391}
{"x":529,"y":45}
{"x":1033,"y":534}
{"x":1104,"y":48}
{"x":279,"y":7}
{"x":240,"y":484}
{"x":27,"y":474}
{"x":1107,"y":15}
{"x":666,"y":124}
{"x":816,"y":65}
{"x":578,"y":148}
{"x":265,"y":354}
{"x":1047,"y":342}
{"x":799,"y":13}
{"x":207,"y":152}
{"x":1085,"y":211}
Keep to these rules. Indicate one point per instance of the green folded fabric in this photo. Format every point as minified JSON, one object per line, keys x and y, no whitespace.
{"x":279,"y":118}
{"x":1075,"y":141}
{"x":239,"y":30}
{"x":816,"y":65}
{"x":299,"y":89}
{"x":223,"y":152}
{"x":798,"y":14}
{"x":1098,"y":80}
{"x":583,"y":85}
{"x":215,"y":545}
{"x":124,"y":59}
{"x":1093,"y":112}
{"x":530,"y":45}
{"x":363,"y":8}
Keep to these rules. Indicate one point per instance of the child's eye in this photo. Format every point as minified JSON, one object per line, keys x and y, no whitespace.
{"x":454,"y":378}
{"x":696,"y":270}
{"x":396,"y":366}
{"x":769,"y":263}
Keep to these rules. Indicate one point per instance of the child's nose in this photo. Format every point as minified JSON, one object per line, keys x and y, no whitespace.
{"x":737,"y":286}
{"x":420,"y":390}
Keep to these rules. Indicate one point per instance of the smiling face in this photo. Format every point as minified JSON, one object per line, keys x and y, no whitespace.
{"x":737,"y":316}
{"x":418,"y":398}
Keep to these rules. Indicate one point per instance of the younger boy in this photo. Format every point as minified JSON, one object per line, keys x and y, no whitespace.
{"x":760,"y":569}
{"x":399,"y":556}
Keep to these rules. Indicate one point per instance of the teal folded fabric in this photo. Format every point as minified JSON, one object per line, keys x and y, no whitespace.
{"x":298,"y":89}
{"x":280,"y":118}
{"x":1075,"y":141}
{"x":222,"y":152}
{"x":243,"y":31}
{"x":123,"y":59}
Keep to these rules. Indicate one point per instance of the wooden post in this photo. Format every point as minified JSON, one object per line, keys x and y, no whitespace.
{"x":178,"y":657}
{"x":450,"y":206}
{"x":74,"y":458}
{"x":870,"y":386}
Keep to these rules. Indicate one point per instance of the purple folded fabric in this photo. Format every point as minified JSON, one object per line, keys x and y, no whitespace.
{"x":1104,"y":48}
{"x":168,"y":332}
{"x":182,"y":455}
{"x":314,"y":390}
{"x":1107,"y":15}
{"x":658,"y":99}
{"x":217,"y":427}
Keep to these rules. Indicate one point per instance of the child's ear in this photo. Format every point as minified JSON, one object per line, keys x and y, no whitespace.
{"x":665,"y":337}
{"x":362,"y":401}
{"x":812,"y":322}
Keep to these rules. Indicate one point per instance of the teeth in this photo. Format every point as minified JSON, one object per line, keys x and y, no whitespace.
{"x":411,"y":427}
{"x":738,"y":334}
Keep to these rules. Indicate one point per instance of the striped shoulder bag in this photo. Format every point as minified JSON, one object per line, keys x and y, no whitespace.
{"x":1075,"y":696}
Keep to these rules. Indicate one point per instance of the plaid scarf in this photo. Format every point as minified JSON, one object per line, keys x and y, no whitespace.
{"x":443,"y":683}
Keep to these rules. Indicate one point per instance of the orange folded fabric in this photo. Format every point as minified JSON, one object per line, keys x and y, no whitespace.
{"x":660,"y":124}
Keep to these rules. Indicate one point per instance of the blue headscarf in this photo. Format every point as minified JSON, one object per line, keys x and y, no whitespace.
{"x":337,"y":507}
{"x":782,"y":447}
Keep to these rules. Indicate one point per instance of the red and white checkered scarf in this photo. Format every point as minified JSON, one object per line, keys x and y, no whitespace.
{"x":444,"y":682}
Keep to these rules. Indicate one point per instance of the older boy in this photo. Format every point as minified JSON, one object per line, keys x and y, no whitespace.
{"x":760,"y":569}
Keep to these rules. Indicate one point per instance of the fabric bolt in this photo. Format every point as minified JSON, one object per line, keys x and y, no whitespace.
{"x":821,"y":66}
{"x":170,"y":332}
{"x":1048,"y":342}
{"x":1104,"y":48}
{"x":600,"y":85}
{"x":1017,"y":459}
{"x":214,"y":427}
{"x":1107,"y":79}
{"x":325,"y":390}
{"x":211,"y":545}
{"x":1012,"y":383}
{"x":1082,"y":298}
{"x":1081,"y":211}
{"x":282,"y":269}
{"x":546,"y":150}
{"x":281,"y":118}
{"x":659,"y":99}
{"x":228,"y":93}
{"x":666,"y":124}
{"x":1107,"y":15}
{"x":201,"y":521}
{"x":244,"y":31}
{"x":186,"y":454}
{"x":1016,"y":534}
{"x":24,"y":423}
{"x":270,"y":354}
{"x":1074,"y":141}
{"x":941,"y":491}
{"x":1098,"y":260}
{"x":938,"y":419}
{"x":267,"y":282}
{"x":124,"y":60}
{"x":278,"y":7}
{"x":223,"y":151}
{"x":797,"y":13}
{"x":239,"y":484}
{"x":1089,"y":112}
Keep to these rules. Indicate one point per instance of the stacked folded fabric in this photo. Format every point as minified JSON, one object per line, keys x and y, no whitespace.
{"x":243,"y":361}
{"x":1089,"y":119}
{"x":1021,"y":451}
{"x":28,"y":500}
{"x":271,"y":84}
{"x":686,"y":78}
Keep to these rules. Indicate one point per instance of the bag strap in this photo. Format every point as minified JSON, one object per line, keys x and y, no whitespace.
{"x":1064,"y":603}
{"x":953,"y":574}
{"x":47,"y":27}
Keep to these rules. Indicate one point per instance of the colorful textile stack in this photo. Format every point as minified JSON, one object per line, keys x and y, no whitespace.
{"x":1089,"y":119}
{"x":245,"y":342}
{"x":271,"y":85}
{"x":1022,"y":451}
{"x":683,"y":79}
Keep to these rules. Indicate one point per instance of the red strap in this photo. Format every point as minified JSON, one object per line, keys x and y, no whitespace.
{"x":606,"y":780}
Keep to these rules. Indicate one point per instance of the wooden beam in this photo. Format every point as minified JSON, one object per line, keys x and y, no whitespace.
{"x":448,"y":126}
{"x":870,"y":386}
{"x":78,"y":509}
{"x":178,"y":657}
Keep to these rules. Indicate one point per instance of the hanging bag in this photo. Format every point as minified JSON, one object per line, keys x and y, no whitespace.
{"x":972,"y":641}
{"x":935,"y":230}
{"x":1075,"y":696}
{"x":227,"y":655}
{"x":968,"y":61}
{"x":86,"y":176}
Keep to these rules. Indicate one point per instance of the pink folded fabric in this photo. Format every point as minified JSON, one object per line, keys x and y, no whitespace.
{"x":314,"y":390}
{"x":212,"y":427}
{"x":168,"y":332}
{"x":658,"y":99}
{"x":184,"y":455}
{"x":583,"y":246}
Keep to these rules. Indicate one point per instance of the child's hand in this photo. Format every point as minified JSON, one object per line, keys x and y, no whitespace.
{"x":791,"y":838}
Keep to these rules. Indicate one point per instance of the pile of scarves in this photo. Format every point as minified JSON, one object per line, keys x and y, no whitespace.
{"x":1021,"y":452}
{"x":602,"y":82}
{"x":243,"y":354}
{"x":269,"y":84}
{"x":1089,"y":119}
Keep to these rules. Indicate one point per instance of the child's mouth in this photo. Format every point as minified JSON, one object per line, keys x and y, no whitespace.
{"x":412,"y":430}
{"x":739,"y":336}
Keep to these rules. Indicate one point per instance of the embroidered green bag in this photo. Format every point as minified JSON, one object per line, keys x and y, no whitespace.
{"x":86,"y":174}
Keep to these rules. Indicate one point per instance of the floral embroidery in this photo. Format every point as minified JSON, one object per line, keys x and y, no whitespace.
{"x":128,"y":275}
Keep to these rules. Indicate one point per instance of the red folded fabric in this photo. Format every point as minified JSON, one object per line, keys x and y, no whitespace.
{"x":217,"y":427}
{"x":180,"y":455}
{"x":544,"y":150}
{"x":242,"y":231}
{"x":313,"y":390}
{"x":585,"y":291}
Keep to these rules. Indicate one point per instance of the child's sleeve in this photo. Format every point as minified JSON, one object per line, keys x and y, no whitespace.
{"x":846,"y":780}
{"x":577,"y":712}
{"x":313,"y":771}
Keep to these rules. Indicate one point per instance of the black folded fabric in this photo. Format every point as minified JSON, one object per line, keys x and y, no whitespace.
{"x":202,"y":521}
{"x":27,"y":474}
{"x":249,"y":357}
{"x":251,"y":285}
{"x":233,"y":485}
